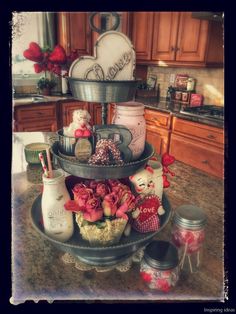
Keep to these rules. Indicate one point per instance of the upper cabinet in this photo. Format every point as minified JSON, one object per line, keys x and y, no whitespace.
{"x":175,"y":38}
{"x":75,"y":33}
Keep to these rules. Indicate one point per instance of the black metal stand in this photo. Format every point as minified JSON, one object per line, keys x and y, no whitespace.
{"x":104,"y":113}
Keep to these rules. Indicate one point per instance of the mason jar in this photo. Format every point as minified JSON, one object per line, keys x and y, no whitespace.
{"x":131,"y":115}
{"x":159,"y":266}
{"x":188,"y":234}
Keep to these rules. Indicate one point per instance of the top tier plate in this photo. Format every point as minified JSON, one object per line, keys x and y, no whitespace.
{"x":103,"y":91}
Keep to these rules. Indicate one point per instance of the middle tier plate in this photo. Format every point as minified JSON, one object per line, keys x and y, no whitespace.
{"x":98,"y":171}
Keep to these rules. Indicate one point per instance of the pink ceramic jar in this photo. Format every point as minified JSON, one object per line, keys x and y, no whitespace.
{"x":131,"y":115}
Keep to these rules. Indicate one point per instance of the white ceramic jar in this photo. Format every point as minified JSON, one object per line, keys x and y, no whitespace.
{"x":131,"y":115}
{"x":57,"y":221}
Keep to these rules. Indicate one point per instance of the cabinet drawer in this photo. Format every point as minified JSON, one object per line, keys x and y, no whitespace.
{"x":198,"y":130}
{"x":157,"y":118}
{"x":36,"y":112}
{"x":202,"y":156}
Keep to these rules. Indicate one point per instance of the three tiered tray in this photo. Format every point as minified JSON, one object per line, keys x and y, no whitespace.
{"x":101,"y":256}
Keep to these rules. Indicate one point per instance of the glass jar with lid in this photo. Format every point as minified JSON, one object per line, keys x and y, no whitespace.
{"x":188,"y":234}
{"x":159,"y":266}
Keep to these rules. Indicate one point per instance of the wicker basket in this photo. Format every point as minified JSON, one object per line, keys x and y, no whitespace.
{"x":109,"y":234}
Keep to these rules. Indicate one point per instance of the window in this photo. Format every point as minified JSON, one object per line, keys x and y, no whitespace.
{"x":26,"y":27}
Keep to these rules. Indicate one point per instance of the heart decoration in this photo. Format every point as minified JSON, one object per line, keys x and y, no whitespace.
{"x":114,"y":58}
{"x":33,"y":53}
{"x":147,"y":220}
{"x":58,"y":55}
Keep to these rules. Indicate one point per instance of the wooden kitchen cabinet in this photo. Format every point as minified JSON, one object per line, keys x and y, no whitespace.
{"x":158,"y":129}
{"x":40,"y":117}
{"x":198,"y":145}
{"x":96,"y":113}
{"x":75,"y":33}
{"x":175,"y":38}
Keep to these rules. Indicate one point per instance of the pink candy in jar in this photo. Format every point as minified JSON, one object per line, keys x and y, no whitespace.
{"x":159,"y":266}
{"x":188,"y":235}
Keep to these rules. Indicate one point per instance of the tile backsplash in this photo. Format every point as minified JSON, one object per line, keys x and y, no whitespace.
{"x":209,"y":82}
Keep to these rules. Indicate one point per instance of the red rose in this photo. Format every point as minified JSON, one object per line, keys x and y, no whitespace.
{"x":102,"y":189}
{"x":81,"y":195}
{"x":113,"y":182}
{"x":145,"y":276}
{"x":72,"y":206}
{"x":93,"y":210}
{"x":109,"y":204}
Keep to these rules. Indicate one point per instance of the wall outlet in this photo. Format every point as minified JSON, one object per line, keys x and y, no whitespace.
{"x":172,"y":78}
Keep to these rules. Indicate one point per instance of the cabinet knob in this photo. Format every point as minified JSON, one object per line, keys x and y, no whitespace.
{"x":211,"y":136}
{"x":177,"y":49}
{"x":172,"y":48}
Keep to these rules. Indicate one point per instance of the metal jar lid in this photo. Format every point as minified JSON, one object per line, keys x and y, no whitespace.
{"x":190,"y":217}
{"x":161,"y":255}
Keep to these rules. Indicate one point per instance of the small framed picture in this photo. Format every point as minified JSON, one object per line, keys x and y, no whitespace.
{"x":151,"y":82}
{"x":181,"y":81}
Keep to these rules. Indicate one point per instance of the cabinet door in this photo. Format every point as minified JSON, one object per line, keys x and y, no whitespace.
{"x":199,"y":155}
{"x":96,"y":113}
{"x":74,"y":32}
{"x":142,"y":34}
{"x":159,"y":138}
{"x":165,"y":33}
{"x":68,"y":108}
{"x":192,"y":38}
{"x":37,"y":117}
{"x":42,"y":126}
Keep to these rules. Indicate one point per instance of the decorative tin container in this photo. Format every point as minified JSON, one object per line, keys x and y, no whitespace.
{"x":102,"y":91}
{"x":188,"y":235}
{"x":159,"y":266}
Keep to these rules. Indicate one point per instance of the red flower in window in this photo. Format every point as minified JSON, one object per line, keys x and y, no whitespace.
{"x":53,"y":60}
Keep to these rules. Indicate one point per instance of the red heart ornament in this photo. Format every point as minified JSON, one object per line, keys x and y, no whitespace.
{"x":33,"y":53}
{"x":167,"y":159}
{"x":147,"y":220}
{"x":58,"y":55}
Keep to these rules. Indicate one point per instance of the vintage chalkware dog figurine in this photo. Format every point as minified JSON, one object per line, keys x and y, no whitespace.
{"x":80,"y":126}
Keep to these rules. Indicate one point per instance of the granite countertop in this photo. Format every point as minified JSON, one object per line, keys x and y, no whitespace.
{"x":22,"y":99}
{"x":39,"y":273}
{"x":172,"y":108}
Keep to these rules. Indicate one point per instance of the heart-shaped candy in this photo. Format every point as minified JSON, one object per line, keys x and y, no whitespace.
{"x":33,"y":53}
{"x":58,"y":55}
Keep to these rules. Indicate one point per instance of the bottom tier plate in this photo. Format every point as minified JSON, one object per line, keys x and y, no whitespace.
{"x":100,"y":256}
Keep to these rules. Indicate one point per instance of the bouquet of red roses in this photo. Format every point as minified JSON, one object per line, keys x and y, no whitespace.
{"x":49,"y":60}
{"x":101,"y":209}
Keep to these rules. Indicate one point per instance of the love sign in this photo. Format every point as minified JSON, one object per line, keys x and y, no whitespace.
{"x":114,"y":59}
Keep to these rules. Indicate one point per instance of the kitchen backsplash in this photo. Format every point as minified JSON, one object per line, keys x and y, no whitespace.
{"x":209,"y":82}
